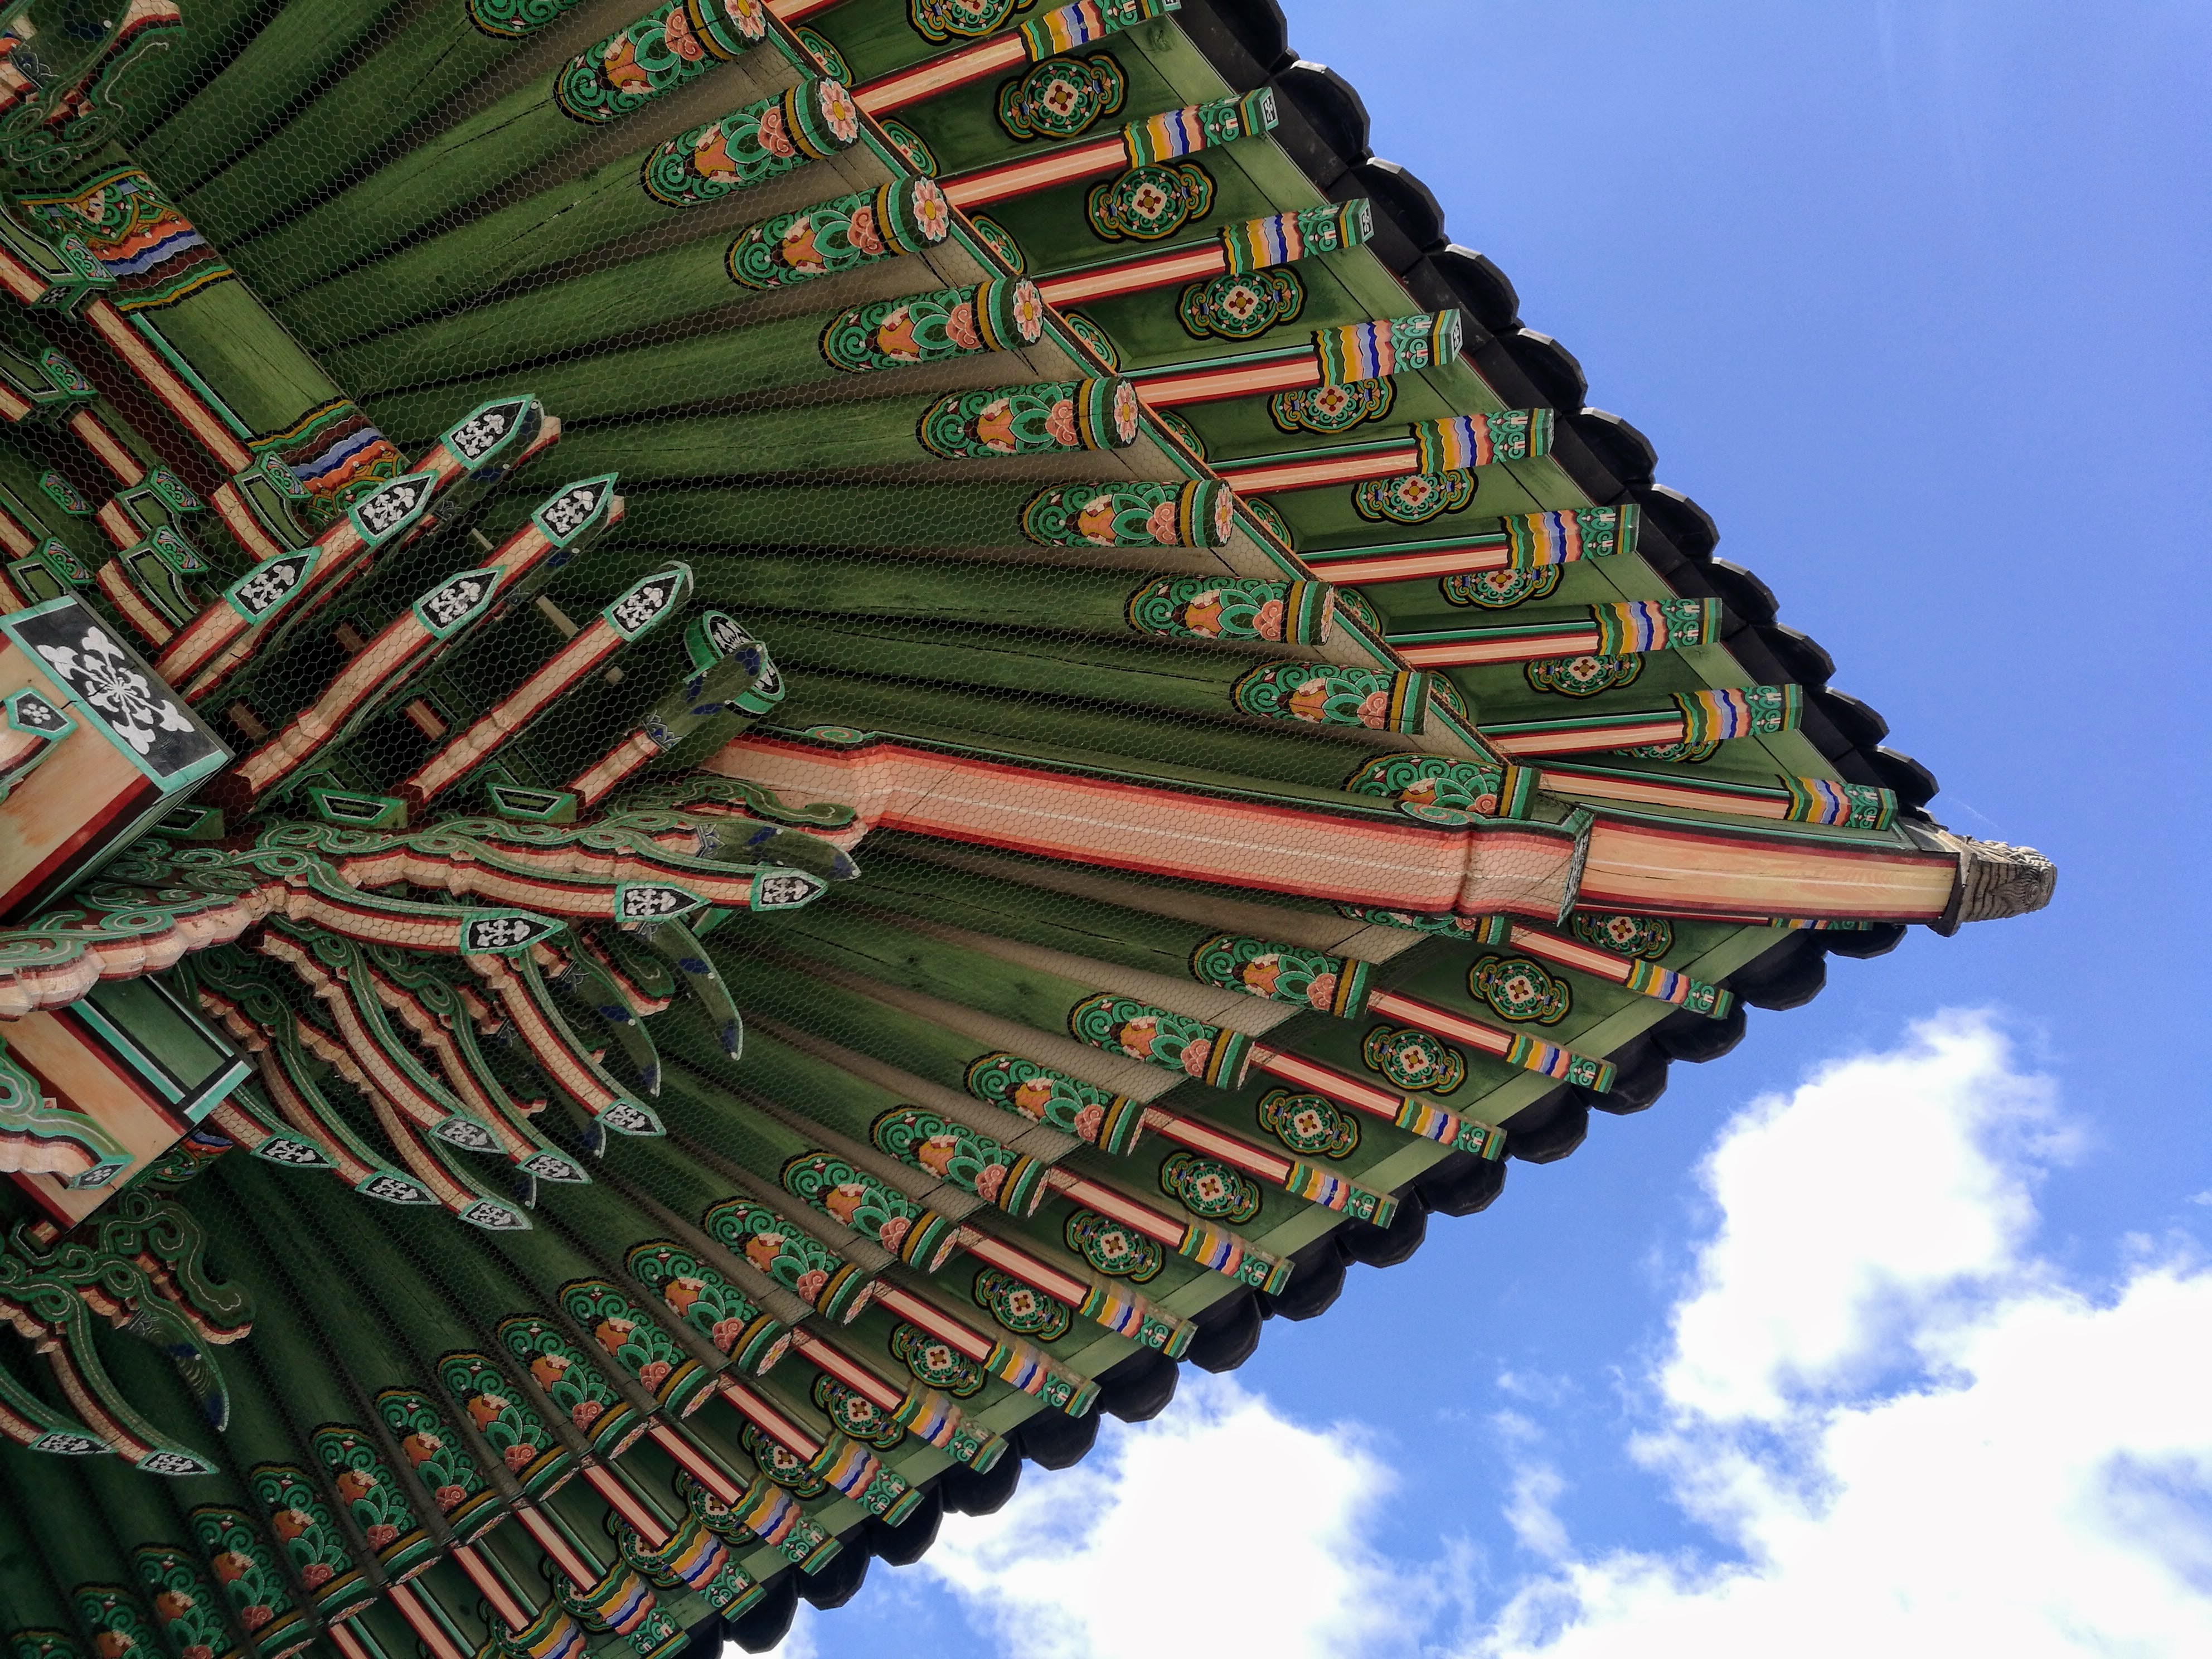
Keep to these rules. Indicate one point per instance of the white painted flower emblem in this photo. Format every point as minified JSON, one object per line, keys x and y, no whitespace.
{"x":100,"y":673}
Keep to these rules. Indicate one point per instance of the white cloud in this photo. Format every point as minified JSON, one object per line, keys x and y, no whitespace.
{"x":1905,"y":1433}
{"x":1221,"y":1528}
{"x":1913,"y":1438}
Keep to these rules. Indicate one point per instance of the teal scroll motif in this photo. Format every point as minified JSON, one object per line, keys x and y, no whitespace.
{"x":303,"y":1526}
{"x":750,"y":146}
{"x":1132,"y":514}
{"x":246,"y":1570}
{"x":1114,"y":1249}
{"x":855,"y":1199}
{"x":670,"y":46}
{"x":1313,"y":1126}
{"x":1206,"y":1186}
{"x":802,"y":1264}
{"x":1519,"y":990}
{"x":1021,"y":1309}
{"x":1335,"y":694}
{"x":526,"y":1447}
{"x":953,"y":1151}
{"x":1062,"y":97}
{"x":434,"y":1452}
{"x":1048,"y":418}
{"x":935,"y":1363}
{"x":1584,"y":676}
{"x":1281,"y":973}
{"x":1410,"y":1059}
{"x":1463,"y":785}
{"x":1175,"y":1042}
{"x":372,"y":1496}
{"x":569,"y":1380}
{"x":1414,"y":497}
{"x":1469,"y":930}
{"x":1328,"y":409}
{"x":633,"y":1340}
{"x":1106,"y":1120}
{"x":903,"y":217}
{"x":1243,"y":303}
{"x":995,"y":315}
{"x":1234,"y":608}
{"x":709,"y":1304}
{"x":187,"y":1611}
{"x":513,"y":19}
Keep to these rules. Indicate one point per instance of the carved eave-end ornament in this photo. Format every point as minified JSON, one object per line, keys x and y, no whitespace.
{"x":1995,"y":880}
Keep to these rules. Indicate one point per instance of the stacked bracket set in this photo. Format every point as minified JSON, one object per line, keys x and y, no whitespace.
{"x":749,"y":755}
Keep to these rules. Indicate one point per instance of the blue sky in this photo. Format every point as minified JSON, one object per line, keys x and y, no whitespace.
{"x":1910,"y":297}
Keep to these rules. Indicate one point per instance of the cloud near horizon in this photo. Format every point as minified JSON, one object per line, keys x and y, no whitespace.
{"x":1902,"y":1431}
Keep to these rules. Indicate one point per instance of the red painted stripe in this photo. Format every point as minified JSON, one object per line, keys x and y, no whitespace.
{"x":941,"y":74}
{"x":1317,"y":471}
{"x":1162,"y":270}
{"x":1066,"y":164}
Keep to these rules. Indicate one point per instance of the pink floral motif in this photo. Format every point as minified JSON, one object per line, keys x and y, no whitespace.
{"x":773,"y":137}
{"x":1088,"y":1121}
{"x":893,"y":1232}
{"x":725,"y":1334}
{"x":751,"y":20}
{"x":839,"y":112}
{"x":932,"y":213}
{"x":1195,"y":1054}
{"x":960,"y":328}
{"x":255,"y":1617}
{"x":678,"y":35}
{"x":519,"y":1455}
{"x":1268,"y":620}
{"x":988,"y":1182}
{"x":1321,"y":991}
{"x":653,"y":1372}
{"x":382,"y":1534}
{"x":196,"y":1651}
{"x":1375,"y":709}
{"x":1160,"y":525}
{"x":316,"y":1574}
{"x":584,"y":1412}
{"x":811,"y":1282}
{"x":861,"y":233}
{"x":450,"y":1498}
{"x":1060,"y":422}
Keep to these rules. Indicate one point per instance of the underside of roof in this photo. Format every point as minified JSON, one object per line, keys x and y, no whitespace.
{"x":753,"y":751}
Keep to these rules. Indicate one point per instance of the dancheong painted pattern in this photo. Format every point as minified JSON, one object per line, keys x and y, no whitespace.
{"x":750,"y":750}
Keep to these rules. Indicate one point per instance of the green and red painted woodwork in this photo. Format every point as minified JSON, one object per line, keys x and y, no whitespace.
{"x":133,"y":749}
{"x":1531,"y":541}
{"x":432,"y":624}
